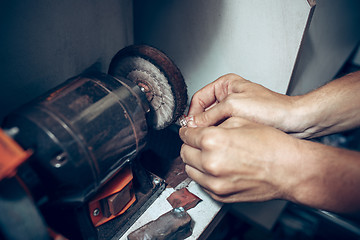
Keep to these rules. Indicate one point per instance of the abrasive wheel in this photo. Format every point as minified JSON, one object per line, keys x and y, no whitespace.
{"x":158,"y":77}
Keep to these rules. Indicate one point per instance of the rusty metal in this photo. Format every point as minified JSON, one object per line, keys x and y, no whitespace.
{"x":173,"y":225}
{"x":183,"y":198}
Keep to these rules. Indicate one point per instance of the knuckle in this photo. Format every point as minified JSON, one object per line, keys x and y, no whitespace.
{"x":212,"y":167}
{"x":197,"y":97}
{"x":201,"y":103}
{"x":218,"y":188}
{"x":230,"y":102}
{"x":231,"y":76}
{"x":204,"y":117}
{"x":211,"y":137}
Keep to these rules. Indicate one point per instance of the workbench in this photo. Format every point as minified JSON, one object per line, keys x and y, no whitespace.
{"x":206,"y":214}
{"x":162,"y":158}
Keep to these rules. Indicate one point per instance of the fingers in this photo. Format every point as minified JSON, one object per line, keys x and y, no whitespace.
{"x":212,"y":116}
{"x":211,"y":104}
{"x":212,"y":184}
{"x":202,"y":99}
{"x":235,"y":122}
{"x":191,"y":136}
{"x":200,"y":177}
{"x":192,"y":157}
{"x":221,"y":189}
{"x":210,"y":94}
{"x":204,"y":137}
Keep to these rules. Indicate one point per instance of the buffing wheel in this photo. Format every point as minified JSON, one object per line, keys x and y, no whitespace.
{"x":158,"y":77}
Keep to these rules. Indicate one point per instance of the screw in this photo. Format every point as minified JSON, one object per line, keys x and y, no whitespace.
{"x":96,"y":212}
{"x":59,"y":160}
{"x":179,"y":212}
{"x":179,"y":209}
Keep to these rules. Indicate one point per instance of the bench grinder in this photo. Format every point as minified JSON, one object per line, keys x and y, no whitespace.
{"x":77,"y":145}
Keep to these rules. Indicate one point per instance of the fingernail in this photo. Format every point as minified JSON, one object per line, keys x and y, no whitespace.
{"x":190,"y":121}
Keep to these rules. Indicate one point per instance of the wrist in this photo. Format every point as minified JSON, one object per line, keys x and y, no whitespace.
{"x":325,"y":177}
{"x":305,"y":116}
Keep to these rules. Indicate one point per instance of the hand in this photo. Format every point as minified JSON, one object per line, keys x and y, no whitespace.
{"x":233,"y":96}
{"x":240,"y":160}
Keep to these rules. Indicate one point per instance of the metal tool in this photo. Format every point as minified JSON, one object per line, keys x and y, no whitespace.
{"x":158,"y":77}
{"x":173,"y":225}
{"x":88,"y":131}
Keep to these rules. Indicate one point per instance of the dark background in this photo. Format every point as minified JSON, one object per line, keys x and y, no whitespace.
{"x":43,"y":43}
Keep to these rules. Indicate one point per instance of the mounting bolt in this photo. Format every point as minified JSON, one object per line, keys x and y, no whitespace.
{"x":179,"y":212}
{"x":179,"y":209}
{"x":96,"y":212}
{"x":59,"y":160}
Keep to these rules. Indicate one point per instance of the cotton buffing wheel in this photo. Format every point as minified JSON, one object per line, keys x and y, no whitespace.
{"x":158,"y":77}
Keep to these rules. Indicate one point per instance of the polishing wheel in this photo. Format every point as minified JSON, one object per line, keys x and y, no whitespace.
{"x":158,"y":77}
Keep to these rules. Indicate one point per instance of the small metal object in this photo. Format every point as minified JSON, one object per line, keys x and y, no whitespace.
{"x":156,"y":181}
{"x":12,"y":131}
{"x":179,"y":209}
{"x":179,"y":212}
{"x":183,"y":121}
{"x":59,"y":160}
{"x":96,"y":212}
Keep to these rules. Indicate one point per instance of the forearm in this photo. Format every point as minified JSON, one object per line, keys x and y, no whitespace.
{"x":332,"y":108}
{"x":328,"y":178}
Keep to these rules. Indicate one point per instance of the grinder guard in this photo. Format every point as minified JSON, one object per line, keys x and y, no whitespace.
{"x":81,"y":133}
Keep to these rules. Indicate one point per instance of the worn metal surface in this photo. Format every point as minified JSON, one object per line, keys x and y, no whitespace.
{"x":183,"y":198}
{"x":175,"y":224}
{"x":86,"y":130}
{"x":204,"y":214}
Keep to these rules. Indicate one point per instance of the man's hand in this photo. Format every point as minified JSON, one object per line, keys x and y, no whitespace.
{"x":233,"y":96}
{"x":329,"y":109}
{"x":240,"y":160}
{"x":239,"y":150}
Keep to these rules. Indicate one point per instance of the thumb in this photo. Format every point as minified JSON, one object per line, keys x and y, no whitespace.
{"x":212,"y":116}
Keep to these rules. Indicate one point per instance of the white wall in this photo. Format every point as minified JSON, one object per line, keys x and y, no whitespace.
{"x":256,"y":39}
{"x":333,"y":34}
